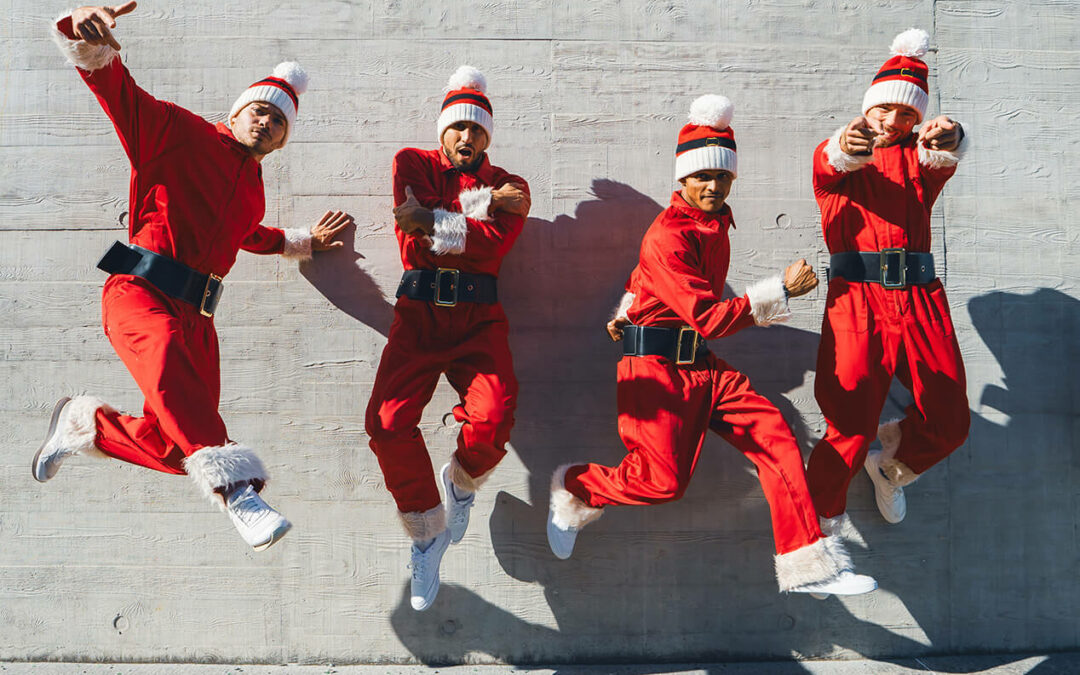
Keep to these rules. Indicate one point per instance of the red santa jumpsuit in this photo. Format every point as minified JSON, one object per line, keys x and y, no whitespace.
{"x":870,"y":332}
{"x":196,"y":195}
{"x":665,"y":409}
{"x":468,"y":342}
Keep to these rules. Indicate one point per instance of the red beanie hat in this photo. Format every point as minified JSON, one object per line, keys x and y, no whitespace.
{"x":903,"y":77}
{"x":707,"y":143}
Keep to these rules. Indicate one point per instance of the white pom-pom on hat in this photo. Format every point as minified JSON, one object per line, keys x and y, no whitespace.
{"x":713,"y":111}
{"x":913,"y":43}
{"x":291,"y":72}
{"x":467,"y":77}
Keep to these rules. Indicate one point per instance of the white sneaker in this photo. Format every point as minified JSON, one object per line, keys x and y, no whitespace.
{"x":560,"y":539}
{"x":255,"y":520}
{"x":425,"y":571}
{"x":890,"y":498}
{"x":50,"y":455}
{"x":845,"y":583}
{"x":457,"y":510}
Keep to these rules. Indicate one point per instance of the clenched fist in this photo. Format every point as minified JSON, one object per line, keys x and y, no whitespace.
{"x":858,"y":138}
{"x":799,"y":278}
{"x":511,"y":198}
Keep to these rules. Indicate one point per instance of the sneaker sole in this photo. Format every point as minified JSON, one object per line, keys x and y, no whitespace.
{"x":277,"y":534}
{"x":448,"y":489}
{"x":434,"y":594}
{"x":48,"y":437}
{"x":820,"y":596}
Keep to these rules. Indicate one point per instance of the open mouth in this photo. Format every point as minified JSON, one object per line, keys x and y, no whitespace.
{"x":465,"y":151}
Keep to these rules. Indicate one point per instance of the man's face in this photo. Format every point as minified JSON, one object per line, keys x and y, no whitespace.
{"x":464,"y":144}
{"x":892,"y":122}
{"x":707,"y":190}
{"x":260,"y":127}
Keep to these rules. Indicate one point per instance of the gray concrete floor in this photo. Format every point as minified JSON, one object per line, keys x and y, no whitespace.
{"x":1016,"y":664}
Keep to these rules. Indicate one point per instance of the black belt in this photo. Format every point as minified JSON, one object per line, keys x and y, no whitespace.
{"x":447,"y":287}
{"x":172,"y":278}
{"x":680,"y":345}
{"x":891,"y":267}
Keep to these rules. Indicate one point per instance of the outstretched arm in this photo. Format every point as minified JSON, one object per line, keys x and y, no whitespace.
{"x":297,"y":243}
{"x":86,"y":38}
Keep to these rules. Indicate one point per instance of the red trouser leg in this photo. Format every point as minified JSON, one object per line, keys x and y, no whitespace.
{"x":664,"y":413}
{"x":173,"y":355}
{"x":482,"y":373}
{"x":933,"y":369}
{"x":404,"y":384}
{"x":752,"y":424}
{"x":855,"y":365}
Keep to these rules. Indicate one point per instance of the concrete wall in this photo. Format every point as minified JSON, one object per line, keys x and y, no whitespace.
{"x":113,"y":562}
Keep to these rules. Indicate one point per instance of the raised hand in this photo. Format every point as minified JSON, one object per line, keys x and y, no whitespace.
{"x":93,"y":24}
{"x":328,"y":227}
{"x":410,"y":216}
{"x":799,"y":278}
{"x":941,"y":133}
{"x":858,"y":138}
{"x":511,"y":198}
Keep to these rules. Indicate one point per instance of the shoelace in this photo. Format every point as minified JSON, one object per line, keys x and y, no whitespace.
{"x":417,"y":564}
{"x":247,"y":509}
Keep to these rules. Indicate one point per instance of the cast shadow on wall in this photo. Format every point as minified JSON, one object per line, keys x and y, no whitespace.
{"x":697,"y":569}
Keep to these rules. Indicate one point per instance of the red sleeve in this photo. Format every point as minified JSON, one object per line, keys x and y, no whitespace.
{"x":411,"y":169}
{"x":826,"y":177}
{"x":264,"y":241}
{"x":141,"y":121}
{"x":933,"y":180}
{"x":674,"y":268}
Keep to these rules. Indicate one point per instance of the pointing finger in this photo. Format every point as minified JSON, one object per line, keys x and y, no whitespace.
{"x":120,"y":10}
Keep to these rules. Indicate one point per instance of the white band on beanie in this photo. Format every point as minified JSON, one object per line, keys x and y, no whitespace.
{"x":896,"y":91}
{"x":465,"y":112}
{"x":708,"y":158}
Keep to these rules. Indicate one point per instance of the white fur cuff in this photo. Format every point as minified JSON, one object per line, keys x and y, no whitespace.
{"x":943,"y":159}
{"x":297,"y":245}
{"x":450,"y":231}
{"x":475,"y":203}
{"x":768,"y":301}
{"x":217,"y":466}
{"x":80,"y":54}
{"x":421,"y":525}
{"x":78,"y":426}
{"x":461,"y":478}
{"x":624,"y":306}
{"x":567,"y":510}
{"x":821,"y":561}
{"x":840,"y":160}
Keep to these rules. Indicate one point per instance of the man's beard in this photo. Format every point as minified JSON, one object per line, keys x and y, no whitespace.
{"x":472,"y":164}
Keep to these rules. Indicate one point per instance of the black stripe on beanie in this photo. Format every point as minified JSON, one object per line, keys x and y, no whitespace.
{"x":722,"y":141}
{"x":476,"y":99}
{"x":282,"y":85}
{"x":902,"y":72}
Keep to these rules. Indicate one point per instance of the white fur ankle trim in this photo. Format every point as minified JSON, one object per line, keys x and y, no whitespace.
{"x":450,"y":231}
{"x":421,"y":525}
{"x":943,"y":159}
{"x":297,"y":244}
{"x":216,"y":466}
{"x":79,"y":428}
{"x":889,"y":435}
{"x":567,"y":510}
{"x":80,"y":54}
{"x":475,"y":203}
{"x":821,"y":561}
{"x":624,"y":306}
{"x":461,"y":478}
{"x":835,"y":526}
{"x":898,"y":473}
{"x":840,"y":160}
{"x":768,"y":301}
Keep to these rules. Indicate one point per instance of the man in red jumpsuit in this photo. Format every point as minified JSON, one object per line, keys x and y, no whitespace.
{"x":196,"y":199}
{"x":672,"y":389}
{"x":456,"y":217}
{"x":876,"y":183}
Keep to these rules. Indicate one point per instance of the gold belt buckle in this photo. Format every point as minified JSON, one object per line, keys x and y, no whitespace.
{"x":456,"y":276}
{"x":680,"y":360}
{"x":207,"y":294}
{"x":901,"y":255}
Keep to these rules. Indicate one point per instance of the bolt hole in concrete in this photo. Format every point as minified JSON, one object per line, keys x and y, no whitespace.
{"x":449,"y":627}
{"x":122,"y":217}
{"x":783,"y":220}
{"x":120,"y":623}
